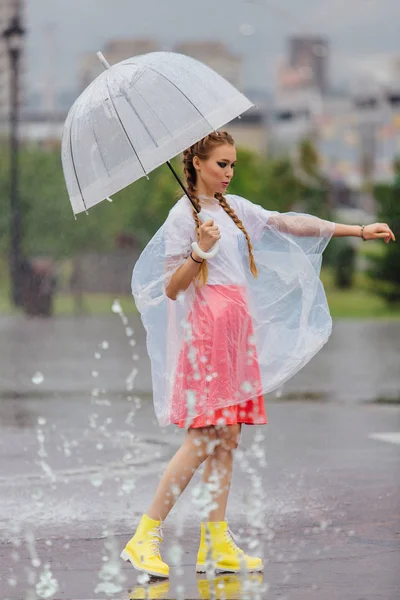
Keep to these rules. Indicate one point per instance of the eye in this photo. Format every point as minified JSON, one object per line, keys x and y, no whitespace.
{"x":223,"y":165}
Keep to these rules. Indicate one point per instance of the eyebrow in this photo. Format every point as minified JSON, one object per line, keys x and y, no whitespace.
{"x":226,"y":160}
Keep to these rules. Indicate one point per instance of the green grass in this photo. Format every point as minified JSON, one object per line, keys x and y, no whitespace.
{"x":358,"y":302}
{"x":92,"y":304}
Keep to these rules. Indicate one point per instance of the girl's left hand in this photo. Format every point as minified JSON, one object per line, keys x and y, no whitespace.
{"x":378,"y":230}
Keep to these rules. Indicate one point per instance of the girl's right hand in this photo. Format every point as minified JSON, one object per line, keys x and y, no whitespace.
{"x":208,"y":235}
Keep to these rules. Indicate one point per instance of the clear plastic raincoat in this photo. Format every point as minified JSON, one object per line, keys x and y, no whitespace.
{"x":237,"y":336}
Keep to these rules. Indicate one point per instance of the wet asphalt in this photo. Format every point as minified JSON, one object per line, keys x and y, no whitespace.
{"x":80,"y":457}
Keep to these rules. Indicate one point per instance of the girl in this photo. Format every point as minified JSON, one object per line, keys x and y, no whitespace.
{"x":222,"y":332}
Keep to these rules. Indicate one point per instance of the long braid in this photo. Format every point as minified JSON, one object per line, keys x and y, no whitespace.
{"x":190,"y":175}
{"x":202,"y":149}
{"x":229,"y":210}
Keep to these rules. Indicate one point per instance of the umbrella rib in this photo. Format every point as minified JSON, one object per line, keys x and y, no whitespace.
{"x":136,"y":113}
{"x":73,"y":164}
{"x":124,"y":130}
{"x":100,"y":152}
{"x":183,"y":93}
{"x":147,"y":104}
{"x":97,"y":141}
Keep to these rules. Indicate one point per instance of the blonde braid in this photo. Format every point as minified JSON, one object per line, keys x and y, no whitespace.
{"x":229,"y":210}
{"x":190,"y":175}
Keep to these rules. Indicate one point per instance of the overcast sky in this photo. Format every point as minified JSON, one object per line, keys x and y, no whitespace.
{"x":358,"y":30}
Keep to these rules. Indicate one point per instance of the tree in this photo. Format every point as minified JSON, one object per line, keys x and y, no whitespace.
{"x":385,"y":268}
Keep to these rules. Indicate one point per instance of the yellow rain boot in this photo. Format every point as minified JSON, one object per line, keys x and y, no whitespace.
{"x":143,"y":549}
{"x":225,"y":553}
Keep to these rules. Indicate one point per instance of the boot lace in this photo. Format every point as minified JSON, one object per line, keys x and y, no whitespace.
{"x":157,"y":537}
{"x":231,"y":539}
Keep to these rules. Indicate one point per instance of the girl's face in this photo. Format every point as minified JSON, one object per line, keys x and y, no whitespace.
{"x":215,"y":173}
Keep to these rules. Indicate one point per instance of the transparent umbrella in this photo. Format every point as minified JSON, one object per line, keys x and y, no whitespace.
{"x":137,"y":115}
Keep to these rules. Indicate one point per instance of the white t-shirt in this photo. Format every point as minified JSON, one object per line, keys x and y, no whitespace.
{"x":227,"y":266}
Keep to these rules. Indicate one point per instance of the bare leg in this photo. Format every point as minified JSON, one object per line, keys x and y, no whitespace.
{"x":197,"y":446}
{"x":219,"y":465}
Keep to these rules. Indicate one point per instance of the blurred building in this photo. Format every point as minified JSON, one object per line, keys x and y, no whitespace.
{"x":250,"y":131}
{"x":114,"y":51}
{"x":216,"y":55}
{"x":8,"y":8}
{"x":309,"y":55}
{"x":301,"y":86}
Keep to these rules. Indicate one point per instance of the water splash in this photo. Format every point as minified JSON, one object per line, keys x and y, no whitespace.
{"x":47,"y":585}
{"x":38,"y":378}
{"x":110,"y":575}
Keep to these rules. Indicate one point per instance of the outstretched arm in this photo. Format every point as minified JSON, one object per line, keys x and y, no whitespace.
{"x":309,"y":225}
{"x":370,"y":232}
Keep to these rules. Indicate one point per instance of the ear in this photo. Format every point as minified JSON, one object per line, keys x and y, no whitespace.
{"x":196,"y":163}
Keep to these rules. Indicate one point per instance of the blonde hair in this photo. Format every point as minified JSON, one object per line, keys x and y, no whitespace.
{"x":202,"y":149}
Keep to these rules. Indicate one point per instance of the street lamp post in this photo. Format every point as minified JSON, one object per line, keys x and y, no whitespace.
{"x":13,"y":36}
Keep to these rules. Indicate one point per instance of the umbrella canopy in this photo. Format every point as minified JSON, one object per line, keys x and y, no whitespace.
{"x":137,"y":115}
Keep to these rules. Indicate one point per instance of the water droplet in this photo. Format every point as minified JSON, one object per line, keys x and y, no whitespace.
{"x":96,"y":480}
{"x":129,"y":331}
{"x":130,"y":379}
{"x":175,"y":553}
{"x":143,"y":578}
{"x":246,"y":387}
{"x":38,"y":378}
{"x":95,"y":373}
{"x":97,"y":355}
{"x":42,"y":421}
{"x":246,"y":29}
{"x":116,"y":307}
{"x":105,"y":345}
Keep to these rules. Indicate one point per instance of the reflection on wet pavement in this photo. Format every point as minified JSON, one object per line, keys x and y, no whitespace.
{"x":219,"y":587}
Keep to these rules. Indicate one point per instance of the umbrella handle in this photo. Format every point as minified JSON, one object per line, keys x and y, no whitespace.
{"x":210,"y":254}
{"x":214,"y":250}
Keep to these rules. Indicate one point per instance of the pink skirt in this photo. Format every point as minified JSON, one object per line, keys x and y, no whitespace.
{"x":218,"y":364}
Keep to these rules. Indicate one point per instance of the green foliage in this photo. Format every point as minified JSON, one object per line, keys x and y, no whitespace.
{"x":309,"y":160}
{"x":384,"y":267}
{"x":343,"y":262}
{"x":49,"y":227}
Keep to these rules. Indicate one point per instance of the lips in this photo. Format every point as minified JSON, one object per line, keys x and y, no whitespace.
{"x":225,"y":183}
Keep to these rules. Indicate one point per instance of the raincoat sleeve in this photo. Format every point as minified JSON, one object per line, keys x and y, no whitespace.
{"x":314,"y":231}
{"x":179,"y":233}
